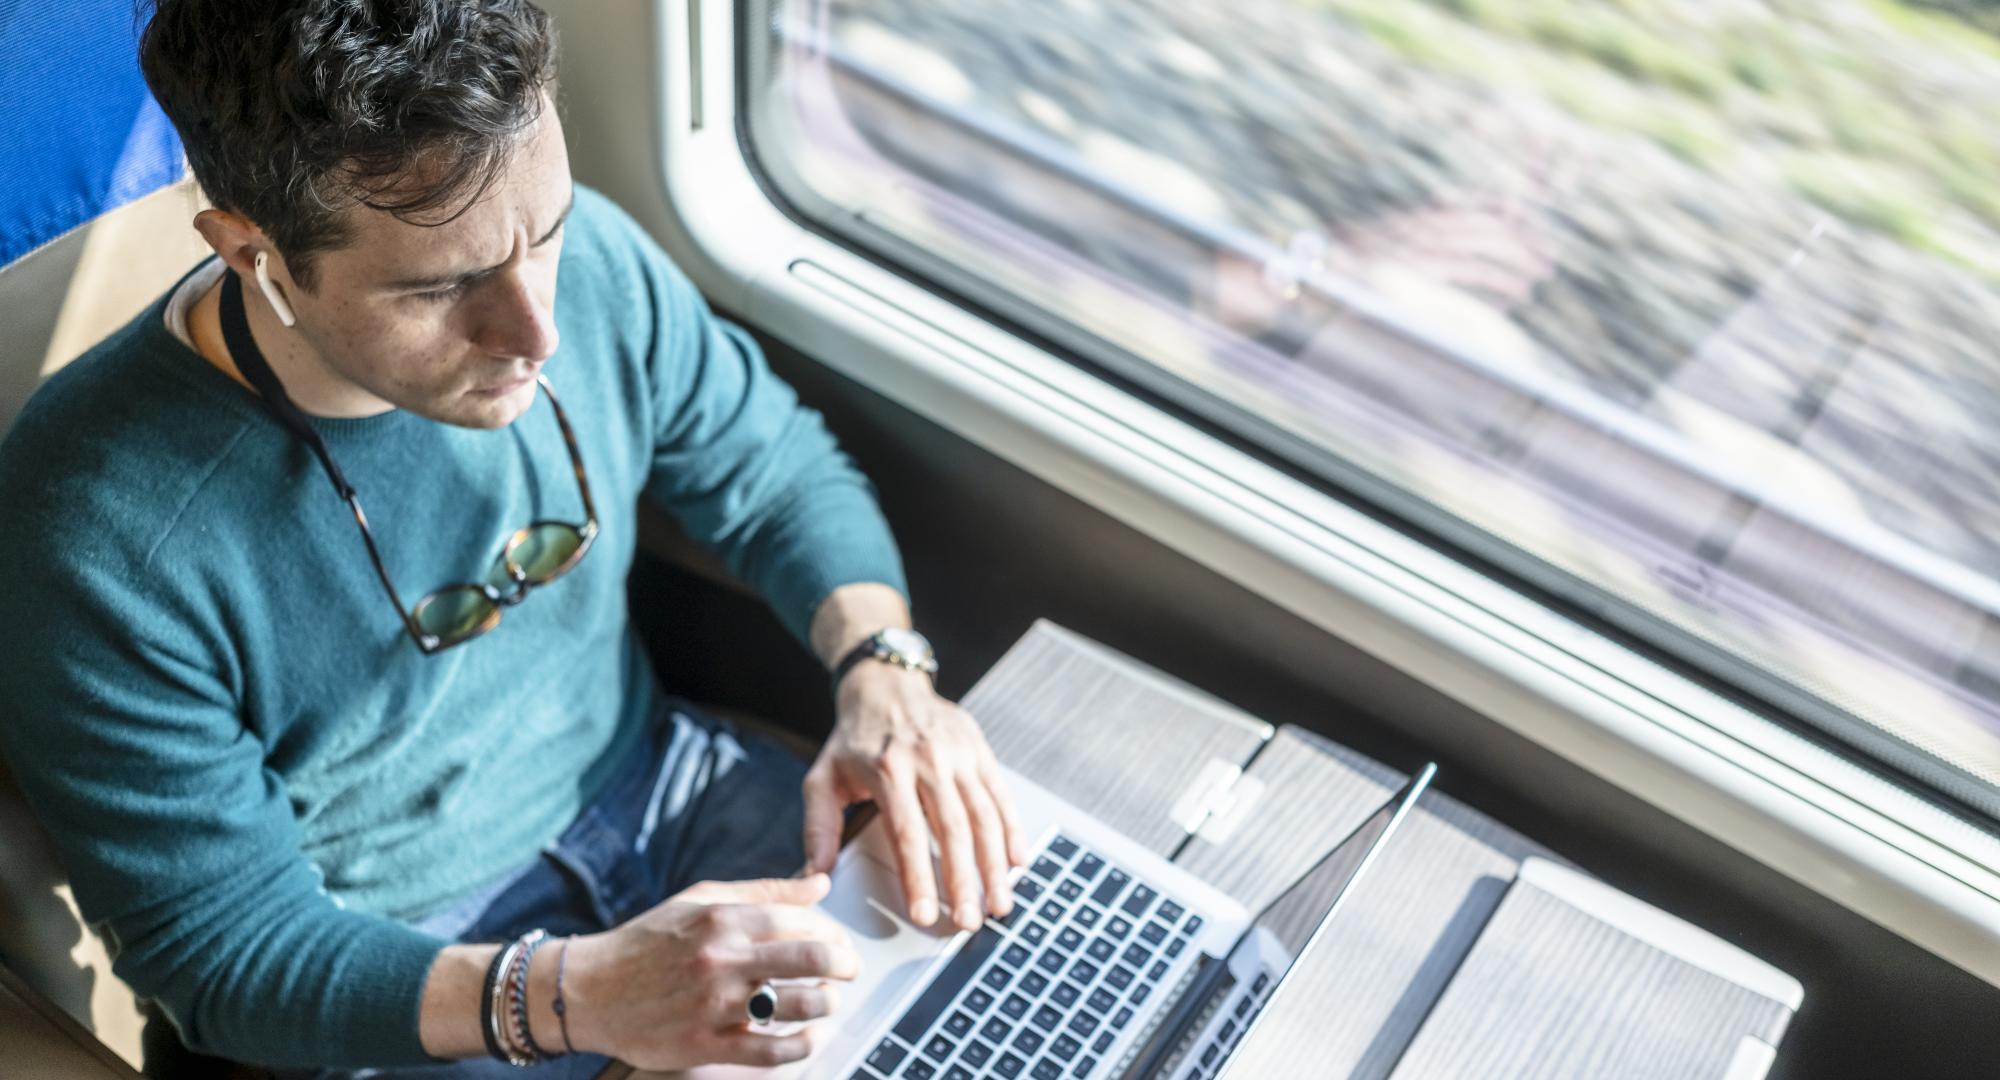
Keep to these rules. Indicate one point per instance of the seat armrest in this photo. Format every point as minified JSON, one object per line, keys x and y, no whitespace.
{"x":42,"y":1040}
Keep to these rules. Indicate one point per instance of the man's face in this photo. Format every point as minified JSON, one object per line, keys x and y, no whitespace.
{"x":452,"y":321}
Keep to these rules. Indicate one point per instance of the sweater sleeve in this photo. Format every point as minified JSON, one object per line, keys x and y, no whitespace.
{"x":752,"y":473}
{"x":119,"y":720}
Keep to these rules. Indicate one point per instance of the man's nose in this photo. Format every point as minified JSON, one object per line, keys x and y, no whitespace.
{"x":519,"y":322}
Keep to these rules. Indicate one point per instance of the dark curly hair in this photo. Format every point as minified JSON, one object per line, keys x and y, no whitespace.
{"x":293,"y":111}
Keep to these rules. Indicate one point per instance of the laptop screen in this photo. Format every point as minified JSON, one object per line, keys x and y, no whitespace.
{"x":1295,"y":915}
{"x":1278,"y":936}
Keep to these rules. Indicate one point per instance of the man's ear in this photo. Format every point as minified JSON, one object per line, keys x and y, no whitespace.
{"x":245,"y":249}
{"x":234,"y":237}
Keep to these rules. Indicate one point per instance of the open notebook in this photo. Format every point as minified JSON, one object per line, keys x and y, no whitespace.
{"x":1574,"y":979}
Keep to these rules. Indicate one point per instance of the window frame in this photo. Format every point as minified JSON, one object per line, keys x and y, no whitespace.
{"x":1657,"y":639}
{"x":1785,"y":800}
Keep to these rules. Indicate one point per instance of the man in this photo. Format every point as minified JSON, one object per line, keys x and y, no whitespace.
{"x":309,"y":814}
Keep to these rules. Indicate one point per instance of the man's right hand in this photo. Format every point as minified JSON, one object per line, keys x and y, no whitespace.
{"x":668,"y":989}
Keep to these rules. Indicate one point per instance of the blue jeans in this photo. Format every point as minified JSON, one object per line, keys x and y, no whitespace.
{"x":701,"y":803}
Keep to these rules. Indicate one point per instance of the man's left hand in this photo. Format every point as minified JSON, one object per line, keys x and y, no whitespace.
{"x":925,"y":763}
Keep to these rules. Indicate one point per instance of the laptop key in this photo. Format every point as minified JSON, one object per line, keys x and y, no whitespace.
{"x":1137,"y":955}
{"x":1063,"y":847}
{"x":1028,"y":889}
{"x":1083,"y":1067}
{"x":1102,"y":1042}
{"x":1169,"y":911}
{"x":1069,"y":939}
{"x":1227,"y":1032}
{"x":886,"y":1056}
{"x":976,"y":1053}
{"x":1052,"y":911}
{"x":1088,"y":866}
{"x":1101,"y":950}
{"x":1034,"y":982}
{"x":1083,"y":1024}
{"x":1083,"y":971}
{"x":1065,"y":1047}
{"x":1118,"y":927}
{"x":1101,"y":1000}
{"x":1242,"y":1006}
{"x":959,"y":1072}
{"x":1045,"y":869}
{"x":1015,"y":955}
{"x":1070,"y":889}
{"x":1140,"y":993}
{"x":1175,"y":946}
{"x":1015,"y":1006}
{"x":1158,"y":969}
{"x":1153,"y":932}
{"x":959,"y":1024}
{"x":1120,"y":977}
{"x":1110,"y":887}
{"x":1034,"y":932}
{"x":1046,"y":1070}
{"x":1122,"y":1017}
{"x":1051,"y":960}
{"x":1135,"y":904}
{"x":1263,"y":980}
{"x":1192,"y":924}
{"x":1027,"y":1041}
{"x":917,"y":1069}
{"x":1047,"y":1018}
{"x":996,"y":1030}
{"x":1009,"y":1065}
{"x":939,"y":994}
{"x":1065,"y":995}
{"x":1087,"y":916}
{"x":978,"y":1000}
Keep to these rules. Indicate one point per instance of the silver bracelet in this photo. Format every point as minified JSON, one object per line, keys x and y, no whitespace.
{"x":496,"y":1012}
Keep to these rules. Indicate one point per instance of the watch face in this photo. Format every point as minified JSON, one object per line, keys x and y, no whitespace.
{"x":906,"y":643}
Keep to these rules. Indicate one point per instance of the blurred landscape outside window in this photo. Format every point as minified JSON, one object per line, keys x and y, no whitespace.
{"x":1696,"y":301}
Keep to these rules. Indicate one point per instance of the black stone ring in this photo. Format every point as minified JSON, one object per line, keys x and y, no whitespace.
{"x":763,"y":1004}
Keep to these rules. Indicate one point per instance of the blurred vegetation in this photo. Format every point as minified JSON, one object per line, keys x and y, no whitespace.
{"x":1983,"y":14}
{"x":1883,"y":112}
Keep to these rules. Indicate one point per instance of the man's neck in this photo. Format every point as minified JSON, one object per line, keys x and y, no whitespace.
{"x":314,"y":388}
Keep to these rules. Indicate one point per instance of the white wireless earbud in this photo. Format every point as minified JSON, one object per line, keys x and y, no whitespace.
{"x":271,"y":293}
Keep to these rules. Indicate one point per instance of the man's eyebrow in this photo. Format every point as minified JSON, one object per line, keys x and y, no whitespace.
{"x":560,"y":218}
{"x":439,"y":281}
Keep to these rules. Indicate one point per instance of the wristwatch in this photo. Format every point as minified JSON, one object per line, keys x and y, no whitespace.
{"x":904,"y":648}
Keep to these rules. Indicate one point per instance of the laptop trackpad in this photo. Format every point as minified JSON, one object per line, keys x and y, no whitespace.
{"x":867,"y":899}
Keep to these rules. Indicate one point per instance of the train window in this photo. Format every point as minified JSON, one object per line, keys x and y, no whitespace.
{"x":1686,"y":313}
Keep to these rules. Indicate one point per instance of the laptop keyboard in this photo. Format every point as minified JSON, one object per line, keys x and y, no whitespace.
{"x":1046,"y":992}
{"x":1206,"y":1063}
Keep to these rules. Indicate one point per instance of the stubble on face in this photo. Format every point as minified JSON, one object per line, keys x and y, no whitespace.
{"x":465,"y":353}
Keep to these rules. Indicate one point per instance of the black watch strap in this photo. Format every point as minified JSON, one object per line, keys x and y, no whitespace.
{"x":871,"y":647}
{"x":863,"y":651}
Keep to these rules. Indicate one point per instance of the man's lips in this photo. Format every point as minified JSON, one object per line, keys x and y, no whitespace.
{"x":505,"y":388}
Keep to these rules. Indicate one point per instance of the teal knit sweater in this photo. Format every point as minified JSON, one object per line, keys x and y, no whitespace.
{"x":252,"y":776}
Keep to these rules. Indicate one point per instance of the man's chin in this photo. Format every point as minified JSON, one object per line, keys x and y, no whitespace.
{"x":476,"y":410}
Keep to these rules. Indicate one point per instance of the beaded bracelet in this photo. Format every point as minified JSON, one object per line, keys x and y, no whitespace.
{"x":517,"y":999}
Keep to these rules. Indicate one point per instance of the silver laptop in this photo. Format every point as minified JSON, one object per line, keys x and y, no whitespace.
{"x":1114,"y":963}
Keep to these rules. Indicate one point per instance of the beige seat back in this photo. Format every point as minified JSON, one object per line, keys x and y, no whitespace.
{"x":59,"y":300}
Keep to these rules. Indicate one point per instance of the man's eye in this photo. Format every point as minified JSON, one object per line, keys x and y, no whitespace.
{"x":439,"y":296}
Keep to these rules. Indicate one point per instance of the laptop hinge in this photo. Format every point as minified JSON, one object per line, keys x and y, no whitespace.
{"x":1218,"y":802}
